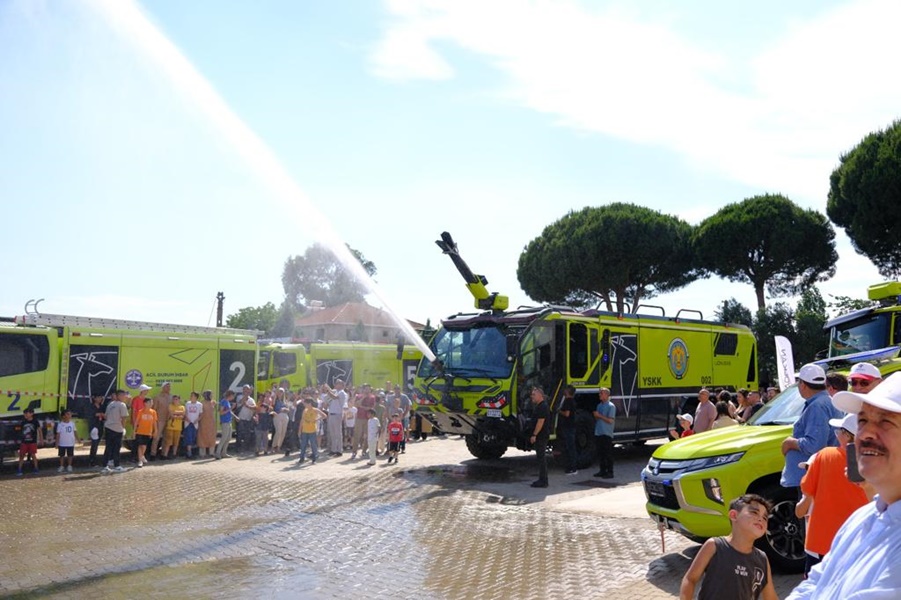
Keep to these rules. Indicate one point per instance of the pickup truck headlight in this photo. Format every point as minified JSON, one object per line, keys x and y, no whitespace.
{"x":712,"y":461}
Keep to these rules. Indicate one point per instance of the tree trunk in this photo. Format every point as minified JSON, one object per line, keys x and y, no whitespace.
{"x":761,"y":302}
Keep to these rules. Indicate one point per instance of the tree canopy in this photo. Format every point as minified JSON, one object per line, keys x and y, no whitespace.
{"x":318,"y":275}
{"x":865,"y":198}
{"x":259,"y":318}
{"x":769,"y":242}
{"x":618,"y":253}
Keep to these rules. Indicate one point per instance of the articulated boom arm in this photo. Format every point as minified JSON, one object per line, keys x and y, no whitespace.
{"x":484,"y":300}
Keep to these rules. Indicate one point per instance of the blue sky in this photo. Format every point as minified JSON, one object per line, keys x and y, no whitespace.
{"x":123,"y":196}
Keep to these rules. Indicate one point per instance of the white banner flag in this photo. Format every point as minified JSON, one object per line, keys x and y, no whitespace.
{"x":785,"y":362}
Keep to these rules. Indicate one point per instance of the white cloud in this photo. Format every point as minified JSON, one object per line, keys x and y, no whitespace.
{"x":812,"y":94}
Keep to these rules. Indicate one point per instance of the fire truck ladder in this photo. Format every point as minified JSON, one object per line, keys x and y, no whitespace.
{"x":48,"y":320}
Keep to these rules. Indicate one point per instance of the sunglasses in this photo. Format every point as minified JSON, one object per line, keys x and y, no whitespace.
{"x":860,"y":382}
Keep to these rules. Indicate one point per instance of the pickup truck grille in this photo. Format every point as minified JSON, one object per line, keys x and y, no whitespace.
{"x":661,"y":494}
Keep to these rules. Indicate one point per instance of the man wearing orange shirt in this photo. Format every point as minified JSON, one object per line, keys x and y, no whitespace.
{"x":834,"y":496}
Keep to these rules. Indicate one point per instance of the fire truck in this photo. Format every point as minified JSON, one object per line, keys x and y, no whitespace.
{"x":488,"y":361}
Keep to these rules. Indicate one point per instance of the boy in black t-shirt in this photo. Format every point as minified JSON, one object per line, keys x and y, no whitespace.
{"x":30,"y":437}
{"x":731,"y":566}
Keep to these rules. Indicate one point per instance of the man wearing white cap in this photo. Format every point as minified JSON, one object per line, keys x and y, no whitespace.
{"x":864,"y":560}
{"x":864,"y":377}
{"x":834,"y":496}
{"x":811,"y":432}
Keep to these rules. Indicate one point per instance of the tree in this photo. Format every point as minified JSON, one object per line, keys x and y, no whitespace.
{"x":733,"y":311}
{"x":769,"y":322}
{"x":845,"y":304}
{"x":810,"y":316}
{"x":769,"y":242}
{"x":618,"y":253}
{"x":284,"y":324}
{"x":260,"y":318}
{"x":318,"y":275}
{"x":865,"y":198}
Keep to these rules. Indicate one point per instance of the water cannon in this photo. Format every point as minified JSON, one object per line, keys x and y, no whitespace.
{"x":484,"y":300}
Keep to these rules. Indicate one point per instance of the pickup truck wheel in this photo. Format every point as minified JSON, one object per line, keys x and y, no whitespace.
{"x":482,"y":450}
{"x":783,"y":542}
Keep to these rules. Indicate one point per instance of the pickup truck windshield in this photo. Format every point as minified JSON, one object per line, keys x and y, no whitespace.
{"x":784,"y":409}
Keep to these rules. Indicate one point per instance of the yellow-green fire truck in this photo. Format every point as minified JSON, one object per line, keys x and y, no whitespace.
{"x":48,"y":362}
{"x":488,"y":361}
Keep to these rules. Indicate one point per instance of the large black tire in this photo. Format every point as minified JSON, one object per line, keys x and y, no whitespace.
{"x":586,"y":445}
{"x":482,"y":450}
{"x":784,"y":539}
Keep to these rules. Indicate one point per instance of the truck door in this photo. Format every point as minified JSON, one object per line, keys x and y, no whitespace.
{"x":583,"y":355}
{"x":624,"y":381}
{"x":29,"y":374}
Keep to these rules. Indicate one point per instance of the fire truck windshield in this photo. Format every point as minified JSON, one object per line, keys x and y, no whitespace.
{"x":476,"y":352}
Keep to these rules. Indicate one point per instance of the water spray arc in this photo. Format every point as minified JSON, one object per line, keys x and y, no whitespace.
{"x":128,"y":20}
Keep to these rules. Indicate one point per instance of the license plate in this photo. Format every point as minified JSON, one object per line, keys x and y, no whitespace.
{"x":655,"y":488}
{"x":495,"y":412}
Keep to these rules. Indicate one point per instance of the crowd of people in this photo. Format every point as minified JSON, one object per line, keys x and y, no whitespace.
{"x":366,"y":422}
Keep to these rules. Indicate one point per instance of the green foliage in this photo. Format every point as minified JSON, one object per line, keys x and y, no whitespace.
{"x":769,"y":242}
{"x":845,"y":304}
{"x":865,"y":198}
{"x":617,"y":253}
{"x":733,"y":311}
{"x":803,"y":327}
{"x":318,"y":275}
{"x":260,"y":318}
{"x":284,"y":326}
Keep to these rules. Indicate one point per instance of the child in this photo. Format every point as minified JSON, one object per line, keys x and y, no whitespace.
{"x":685,"y":422}
{"x":732,"y":567}
{"x":65,"y":441}
{"x":373,"y":437}
{"x":145,"y":430}
{"x":30,"y":437}
{"x":395,"y":437}
{"x":350,"y":418}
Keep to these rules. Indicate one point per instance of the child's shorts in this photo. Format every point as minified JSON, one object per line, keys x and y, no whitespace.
{"x":393,"y":446}
{"x":26,"y":449}
{"x":66,"y":451}
{"x":171,"y":438}
{"x":143,"y":440}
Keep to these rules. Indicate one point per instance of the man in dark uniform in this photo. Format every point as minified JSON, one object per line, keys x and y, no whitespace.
{"x":540,"y":434}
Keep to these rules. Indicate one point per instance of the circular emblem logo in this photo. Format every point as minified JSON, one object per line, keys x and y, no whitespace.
{"x":678,"y":358}
{"x":134,"y":378}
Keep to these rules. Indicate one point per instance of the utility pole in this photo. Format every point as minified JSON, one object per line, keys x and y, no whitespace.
{"x":220,"y":298}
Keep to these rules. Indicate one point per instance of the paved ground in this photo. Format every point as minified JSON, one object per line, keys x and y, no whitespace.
{"x":439,"y":525}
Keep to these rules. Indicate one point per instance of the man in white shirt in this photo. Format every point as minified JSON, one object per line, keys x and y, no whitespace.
{"x":864,"y":560}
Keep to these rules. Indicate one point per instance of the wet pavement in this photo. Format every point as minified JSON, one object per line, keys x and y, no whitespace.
{"x":439,"y":525}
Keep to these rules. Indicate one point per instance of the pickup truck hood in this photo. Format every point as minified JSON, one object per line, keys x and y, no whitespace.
{"x":723,"y":441}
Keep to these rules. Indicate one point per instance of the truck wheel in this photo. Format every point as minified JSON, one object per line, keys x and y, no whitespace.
{"x":586,"y":446}
{"x":783,"y":542}
{"x":484,"y":451}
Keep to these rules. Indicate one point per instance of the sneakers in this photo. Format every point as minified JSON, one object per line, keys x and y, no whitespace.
{"x":371,"y":463}
{"x":19,"y":473}
{"x":539,"y":484}
{"x":572,"y":471}
{"x":118,"y":469}
{"x":61,"y":470}
{"x":140,"y":464}
{"x":106,"y":470}
{"x":353,"y":456}
{"x":599,"y":474}
{"x":69,"y":468}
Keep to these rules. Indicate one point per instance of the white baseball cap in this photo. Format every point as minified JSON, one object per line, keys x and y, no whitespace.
{"x":811,"y":373}
{"x":144,"y":387}
{"x":687,"y":417}
{"x":849,"y":422}
{"x":865,"y":370}
{"x":886,"y":396}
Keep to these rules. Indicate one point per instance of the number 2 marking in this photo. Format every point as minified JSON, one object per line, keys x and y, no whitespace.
{"x":241,"y":369}
{"x":14,"y":405}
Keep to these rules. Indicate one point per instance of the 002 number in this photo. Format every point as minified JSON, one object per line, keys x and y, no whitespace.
{"x":706,"y":380}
